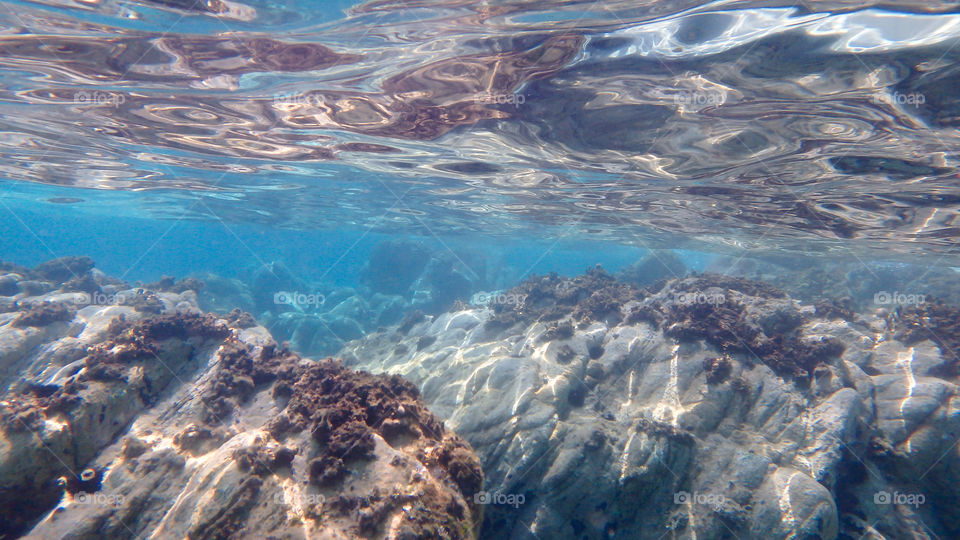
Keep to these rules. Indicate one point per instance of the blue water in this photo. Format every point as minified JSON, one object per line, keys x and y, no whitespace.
{"x":750,"y":128}
{"x":389,"y":156}
{"x":182,"y":138}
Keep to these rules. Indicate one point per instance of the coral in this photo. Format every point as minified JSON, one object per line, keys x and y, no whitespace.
{"x":459,"y":460}
{"x":350,"y":415}
{"x":232,"y":383}
{"x":341,"y":407}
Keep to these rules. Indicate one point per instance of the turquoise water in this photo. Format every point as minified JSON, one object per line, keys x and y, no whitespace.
{"x":738,"y":128}
{"x":323,"y":148}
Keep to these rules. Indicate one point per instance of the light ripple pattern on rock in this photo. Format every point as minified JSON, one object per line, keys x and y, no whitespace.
{"x":187,"y":426}
{"x":631,"y":429}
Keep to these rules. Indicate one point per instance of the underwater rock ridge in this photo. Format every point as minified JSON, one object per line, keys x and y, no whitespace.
{"x":173,"y":423}
{"x":704,"y":405}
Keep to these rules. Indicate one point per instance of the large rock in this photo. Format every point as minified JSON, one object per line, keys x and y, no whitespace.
{"x":167,"y":422}
{"x":712,"y":407}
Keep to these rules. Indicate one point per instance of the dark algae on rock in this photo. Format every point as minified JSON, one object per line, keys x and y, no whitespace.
{"x":706,"y":404}
{"x":142,"y":407}
{"x":934,"y":321}
{"x":43,"y":314}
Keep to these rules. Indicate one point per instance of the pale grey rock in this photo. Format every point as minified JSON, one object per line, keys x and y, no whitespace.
{"x":635,"y":442}
{"x":153,"y":485}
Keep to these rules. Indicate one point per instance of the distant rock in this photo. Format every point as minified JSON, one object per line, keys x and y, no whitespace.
{"x":394,"y":265}
{"x":654,"y":266}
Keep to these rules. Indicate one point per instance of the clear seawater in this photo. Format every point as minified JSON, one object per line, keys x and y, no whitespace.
{"x":159,"y":139}
{"x":511,"y":138}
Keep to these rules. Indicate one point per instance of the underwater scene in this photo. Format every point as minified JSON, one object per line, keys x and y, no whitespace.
{"x":479,"y":269}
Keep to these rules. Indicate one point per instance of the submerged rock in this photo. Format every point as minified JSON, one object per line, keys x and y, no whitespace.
{"x":704,"y":407}
{"x":125,"y":423}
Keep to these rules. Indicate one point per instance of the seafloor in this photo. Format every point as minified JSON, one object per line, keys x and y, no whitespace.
{"x":654,"y":402}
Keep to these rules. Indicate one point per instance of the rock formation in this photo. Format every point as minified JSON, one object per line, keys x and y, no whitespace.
{"x":705,"y":407}
{"x":129,"y":413}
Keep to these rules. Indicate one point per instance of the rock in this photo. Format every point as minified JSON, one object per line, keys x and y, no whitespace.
{"x":272,"y":287}
{"x":393,"y":266}
{"x":131,"y":424}
{"x":222,"y":295}
{"x":653,"y":267}
{"x":8,"y":285}
{"x":715,"y":406}
{"x":64,"y":268}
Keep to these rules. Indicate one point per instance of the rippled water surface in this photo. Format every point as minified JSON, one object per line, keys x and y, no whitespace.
{"x":810,"y":126}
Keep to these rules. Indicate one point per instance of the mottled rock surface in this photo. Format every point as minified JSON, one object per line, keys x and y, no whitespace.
{"x":129,"y":413}
{"x":703,"y":407}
